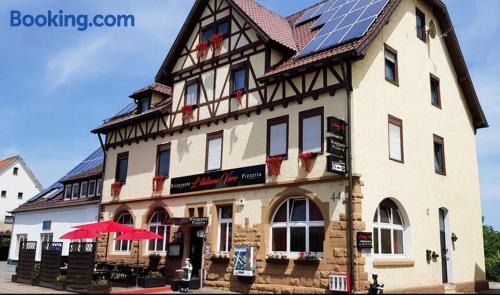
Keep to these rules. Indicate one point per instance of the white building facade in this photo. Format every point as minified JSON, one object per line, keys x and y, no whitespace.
{"x":17,"y":184}
{"x":73,"y":200}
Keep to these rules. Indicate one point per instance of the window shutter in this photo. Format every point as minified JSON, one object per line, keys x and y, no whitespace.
{"x":395,"y":142}
{"x":278,"y":140}
{"x":214,"y":154}
{"x":311,"y":141}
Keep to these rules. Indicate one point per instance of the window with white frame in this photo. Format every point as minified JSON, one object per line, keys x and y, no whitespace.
{"x":156,"y":225}
{"x":298,"y":227}
{"x":123,"y":246}
{"x":225,"y":215}
{"x":388,"y":230}
{"x":67,"y":191}
{"x":91,"y":192}
{"x":76,"y":190}
{"x":84,"y":189}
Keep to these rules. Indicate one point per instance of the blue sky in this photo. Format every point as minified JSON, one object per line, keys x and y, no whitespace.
{"x":58,"y":83}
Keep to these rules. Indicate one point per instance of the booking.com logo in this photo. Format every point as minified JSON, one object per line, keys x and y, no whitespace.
{"x":81,"y":21}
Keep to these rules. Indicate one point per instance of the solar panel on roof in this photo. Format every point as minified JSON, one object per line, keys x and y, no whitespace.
{"x":350,"y":21}
{"x":126,"y":109}
{"x":55,"y":187}
{"x":93,"y":161}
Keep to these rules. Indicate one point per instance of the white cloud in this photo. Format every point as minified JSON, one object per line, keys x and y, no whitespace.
{"x":74,"y":62}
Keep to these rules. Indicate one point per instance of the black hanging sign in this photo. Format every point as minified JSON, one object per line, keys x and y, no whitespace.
{"x":338,"y":128}
{"x":219,"y":179}
{"x":336,"y":146}
{"x":364,"y":240}
{"x":336,"y":165}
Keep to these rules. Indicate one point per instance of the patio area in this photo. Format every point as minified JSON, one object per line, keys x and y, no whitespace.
{"x":6,"y":286}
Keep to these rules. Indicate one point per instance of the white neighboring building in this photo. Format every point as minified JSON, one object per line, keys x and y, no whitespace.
{"x":73,"y":200}
{"x":17,"y":184}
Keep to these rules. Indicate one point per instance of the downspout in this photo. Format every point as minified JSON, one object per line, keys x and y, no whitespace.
{"x":99,"y":211}
{"x":347,"y":76}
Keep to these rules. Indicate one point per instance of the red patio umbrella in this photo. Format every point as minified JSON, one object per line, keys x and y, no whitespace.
{"x":106,"y":227}
{"x":80,"y":234}
{"x":138,"y":235}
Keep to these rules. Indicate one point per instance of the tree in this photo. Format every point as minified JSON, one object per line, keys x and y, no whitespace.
{"x":492,"y":253}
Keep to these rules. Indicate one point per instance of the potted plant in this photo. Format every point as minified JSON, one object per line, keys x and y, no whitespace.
{"x":100,"y":286}
{"x":307,"y":259}
{"x":154,"y":261}
{"x":36,"y":275}
{"x":220,"y":258}
{"x":60,"y":283}
{"x":152,"y":280}
{"x":276,"y":258}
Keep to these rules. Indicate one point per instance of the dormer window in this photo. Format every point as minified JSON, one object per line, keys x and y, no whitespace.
{"x":143,"y":105}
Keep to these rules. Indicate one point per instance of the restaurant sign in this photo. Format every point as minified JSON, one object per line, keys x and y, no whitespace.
{"x":336,"y":146}
{"x":219,"y":179}
{"x":186,"y":221}
{"x":364,"y":240}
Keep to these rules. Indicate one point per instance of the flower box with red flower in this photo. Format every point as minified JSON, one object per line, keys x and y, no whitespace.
{"x":216,"y":41}
{"x":158,"y":182}
{"x":116,"y":188}
{"x":274,"y":165}
{"x":202,"y":49}
{"x":187,"y":112}
{"x":239,"y":95}
{"x":306,"y":159}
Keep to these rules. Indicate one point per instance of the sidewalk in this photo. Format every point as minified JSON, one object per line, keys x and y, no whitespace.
{"x":6,"y":286}
{"x":494,"y":289}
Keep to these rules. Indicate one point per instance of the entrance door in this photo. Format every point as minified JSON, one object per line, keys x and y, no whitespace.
{"x":444,"y":247}
{"x":196,"y":250}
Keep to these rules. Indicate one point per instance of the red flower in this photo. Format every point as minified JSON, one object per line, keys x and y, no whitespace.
{"x":158,"y":182}
{"x":274,"y":165}
{"x":216,"y":41}
{"x":202,"y":49}
{"x":306,"y":160}
{"x":116,"y":188}
{"x":187,"y":112}
{"x":239,"y":94}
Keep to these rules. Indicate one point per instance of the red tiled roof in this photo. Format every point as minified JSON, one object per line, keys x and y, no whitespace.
{"x":275,"y":26}
{"x":158,"y":87}
{"x":162,"y":107}
{"x":6,"y":162}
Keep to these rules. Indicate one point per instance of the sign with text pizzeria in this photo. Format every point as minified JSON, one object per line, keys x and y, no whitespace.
{"x":219,"y":179}
{"x":336,"y":146}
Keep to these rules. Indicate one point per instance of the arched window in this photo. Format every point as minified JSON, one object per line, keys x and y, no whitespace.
{"x":156,"y":225}
{"x":123,"y":218}
{"x":388,"y":230}
{"x":297,"y":227}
